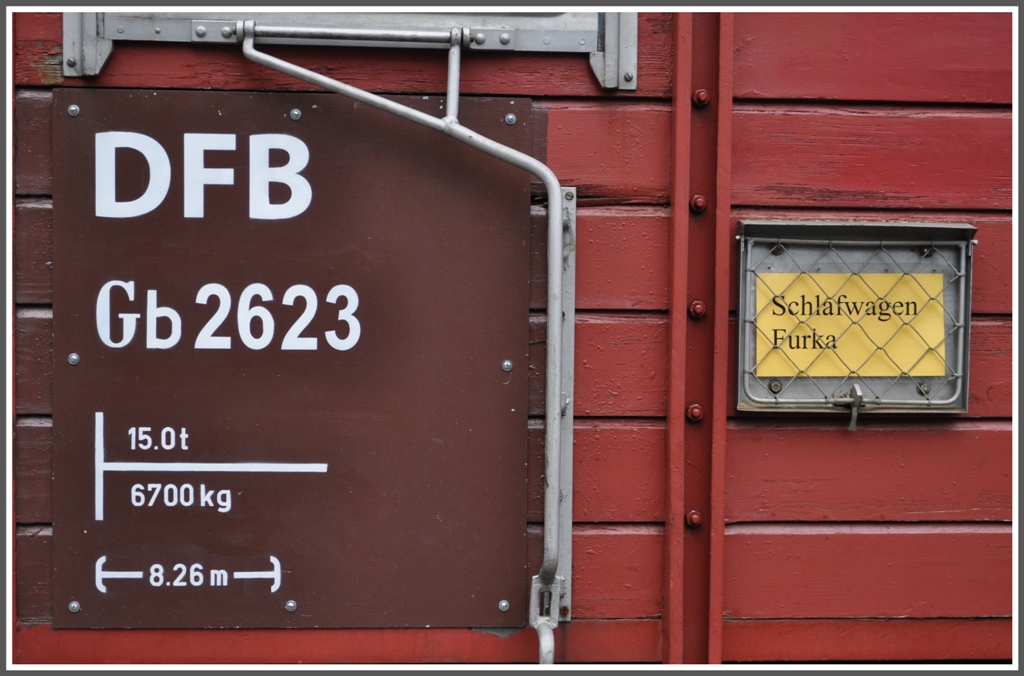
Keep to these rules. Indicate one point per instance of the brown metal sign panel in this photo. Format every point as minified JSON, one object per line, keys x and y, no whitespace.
{"x":281,"y":323}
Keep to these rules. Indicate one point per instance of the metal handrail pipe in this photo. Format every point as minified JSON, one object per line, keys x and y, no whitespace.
{"x":329,"y":84}
{"x":546,"y":640}
{"x":454,"y":67}
{"x":375,"y":34}
{"x":450,"y":126}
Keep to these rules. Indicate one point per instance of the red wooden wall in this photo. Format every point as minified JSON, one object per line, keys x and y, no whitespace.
{"x":890,"y":543}
{"x":893,"y":542}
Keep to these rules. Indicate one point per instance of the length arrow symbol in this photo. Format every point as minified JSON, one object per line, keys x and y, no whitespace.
{"x":122,"y":574}
{"x":274,"y":575}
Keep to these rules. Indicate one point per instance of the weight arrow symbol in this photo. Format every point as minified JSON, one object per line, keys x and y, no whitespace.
{"x":274,"y":575}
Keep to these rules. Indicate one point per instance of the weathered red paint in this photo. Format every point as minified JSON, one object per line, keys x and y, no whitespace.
{"x":673,"y":616}
{"x":633,"y":157}
{"x":33,"y":241}
{"x":616,"y":570}
{"x":33,"y":361}
{"x":621,"y":258}
{"x":865,"y":56}
{"x":799,"y":570}
{"x":867,"y":640}
{"x":619,"y":365}
{"x":33,"y":145}
{"x":33,"y":474}
{"x":618,"y":471}
{"x":920,"y":470}
{"x":871,"y":156}
{"x":577,"y":641}
{"x":722,"y":358}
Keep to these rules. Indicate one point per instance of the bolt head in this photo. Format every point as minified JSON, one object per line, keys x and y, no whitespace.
{"x":924,"y":388}
{"x":226,"y":31}
{"x":73,"y":358}
{"x":71,"y":62}
{"x":694,"y":518}
{"x":504,"y":38}
{"x":695,"y":413}
{"x":120,"y":29}
{"x":74,"y":606}
{"x":510,"y":119}
{"x":479,"y":38}
{"x":698,"y":203}
{"x":701,"y":98}
{"x":503,"y":606}
{"x":295,"y":114}
{"x":201,"y":31}
{"x":506,"y":366}
{"x":775,"y":387}
{"x":564,"y":611}
{"x":290,"y":606}
{"x":698,"y":309}
{"x":628,"y":77}
{"x":74,"y":110}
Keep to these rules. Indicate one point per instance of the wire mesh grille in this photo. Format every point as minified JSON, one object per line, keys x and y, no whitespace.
{"x":820,"y":315}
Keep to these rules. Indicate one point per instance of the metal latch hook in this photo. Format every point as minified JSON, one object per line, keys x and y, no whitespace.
{"x":858,"y":401}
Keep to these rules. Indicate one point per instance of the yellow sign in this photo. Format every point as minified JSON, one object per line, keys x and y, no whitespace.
{"x":834,"y":324}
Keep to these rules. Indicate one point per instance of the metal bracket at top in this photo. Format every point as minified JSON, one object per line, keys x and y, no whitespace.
{"x":609,"y":38}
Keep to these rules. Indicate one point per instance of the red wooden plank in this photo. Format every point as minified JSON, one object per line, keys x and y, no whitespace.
{"x":33,"y":452}
{"x":37,"y":50}
{"x":722,"y":358}
{"x":674,"y":620}
{"x":993,"y":256}
{"x":921,"y":158}
{"x":618,"y":471}
{"x":868,"y":640}
{"x":37,"y":55}
{"x":618,"y":150}
{"x":32,"y":574}
{"x":924,"y":56}
{"x":913,"y":471}
{"x":33,"y":251}
{"x":621,"y":258}
{"x":620,"y":365}
{"x":576,"y":641}
{"x":868,"y":570}
{"x":990,"y":386}
{"x":616,"y":570}
{"x":33,"y":144}
{"x":33,"y":361}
